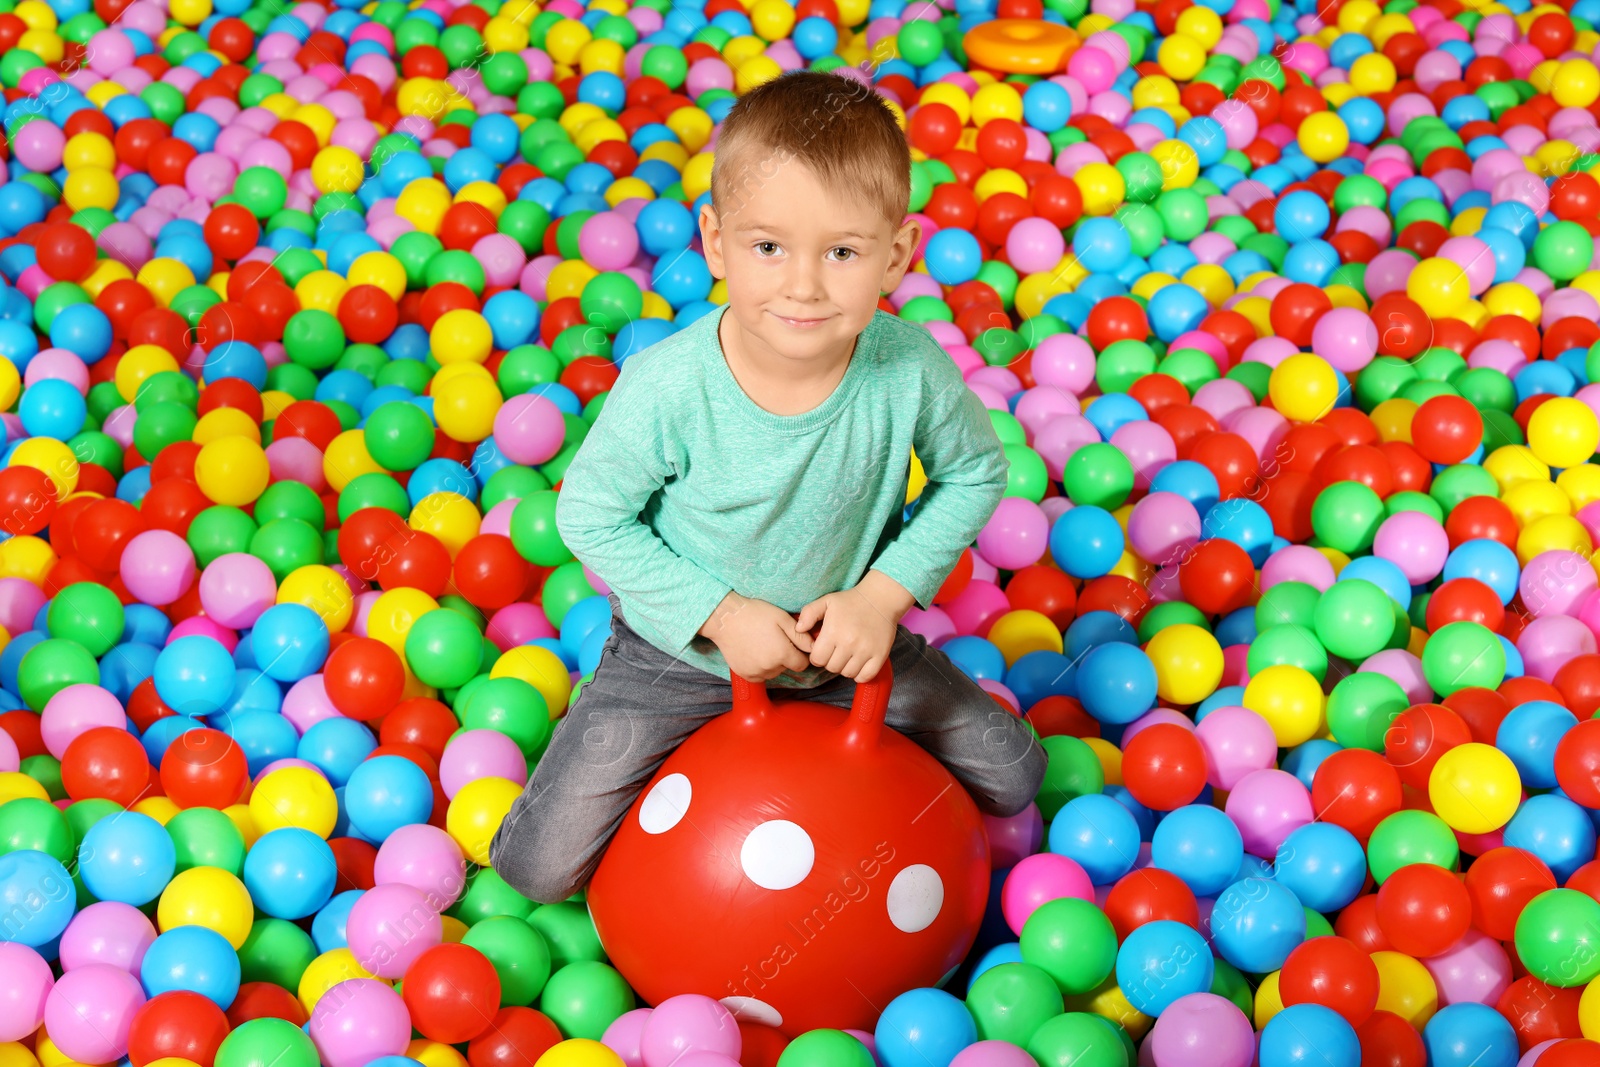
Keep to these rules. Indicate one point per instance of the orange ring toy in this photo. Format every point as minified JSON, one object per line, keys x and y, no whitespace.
{"x":1020,"y":46}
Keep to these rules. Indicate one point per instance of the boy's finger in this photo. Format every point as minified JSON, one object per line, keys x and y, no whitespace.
{"x":800,"y":639}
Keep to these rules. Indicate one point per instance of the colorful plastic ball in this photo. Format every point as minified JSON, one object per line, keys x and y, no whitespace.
{"x":129,"y":859}
{"x":385,"y":793}
{"x":1116,"y":683}
{"x":290,"y":873}
{"x":194,"y":675}
{"x":1256,"y":924}
{"x":922,"y":1026}
{"x":1323,"y":865}
{"x":193,"y":959}
{"x":90,"y":1011}
{"x":1099,"y":835}
{"x":1306,"y":1032}
{"x":1202,"y":1028}
{"x":1160,"y":962}
{"x":360,"y":1020}
{"x":1086,"y":542}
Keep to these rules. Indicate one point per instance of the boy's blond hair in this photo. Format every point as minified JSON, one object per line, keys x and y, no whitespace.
{"x":838,"y":127}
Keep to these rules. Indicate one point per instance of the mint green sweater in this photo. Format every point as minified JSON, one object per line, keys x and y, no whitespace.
{"x":686,"y":489}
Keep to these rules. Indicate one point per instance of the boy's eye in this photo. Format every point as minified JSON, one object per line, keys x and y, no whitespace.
{"x":845,"y":254}
{"x":767,"y":248}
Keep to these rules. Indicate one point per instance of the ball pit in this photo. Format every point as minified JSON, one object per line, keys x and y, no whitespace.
{"x":1286,"y":314}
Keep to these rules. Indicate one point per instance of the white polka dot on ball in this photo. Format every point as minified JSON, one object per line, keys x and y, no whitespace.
{"x":753,"y":1010}
{"x":777,"y":855}
{"x":915,"y":897}
{"x":666,"y":804}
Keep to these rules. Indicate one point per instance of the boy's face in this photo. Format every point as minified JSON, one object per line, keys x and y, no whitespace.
{"x":804,"y":266}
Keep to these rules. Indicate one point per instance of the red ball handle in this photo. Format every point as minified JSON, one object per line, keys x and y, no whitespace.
{"x":751,"y":700}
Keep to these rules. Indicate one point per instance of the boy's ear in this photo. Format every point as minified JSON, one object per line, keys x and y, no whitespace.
{"x":711,"y":240}
{"x":906,"y":240}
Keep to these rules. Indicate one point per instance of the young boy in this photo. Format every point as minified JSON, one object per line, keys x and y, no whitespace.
{"x":753,"y":466}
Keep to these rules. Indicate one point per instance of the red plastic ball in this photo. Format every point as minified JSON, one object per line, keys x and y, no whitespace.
{"x":490,"y":572}
{"x":1356,"y":788}
{"x":364,"y":678}
{"x":452,"y":992}
{"x":1150,"y":895}
{"x":1423,"y":909}
{"x":1217,"y":577}
{"x":515,"y":1037}
{"x":1419,"y":737}
{"x":1334,"y":973}
{"x":1387,"y":1040}
{"x":1500,"y":883}
{"x":204,"y":768}
{"x":1164,"y":766}
{"x":177,"y":1023}
{"x":106,"y":762}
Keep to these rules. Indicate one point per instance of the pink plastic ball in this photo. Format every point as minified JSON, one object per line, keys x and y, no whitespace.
{"x":90,"y":1011}
{"x":425,"y":858}
{"x":1237,"y":743}
{"x":1038,"y":880}
{"x":389,"y":927}
{"x":108,"y":932}
{"x":360,"y":1020}
{"x":157,"y":567}
{"x":474,"y":754}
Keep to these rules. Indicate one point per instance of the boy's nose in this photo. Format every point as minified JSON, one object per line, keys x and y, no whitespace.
{"x":805,"y":282}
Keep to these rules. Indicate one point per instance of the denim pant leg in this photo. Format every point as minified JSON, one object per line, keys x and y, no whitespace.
{"x":990,"y":751}
{"x":638,"y":707}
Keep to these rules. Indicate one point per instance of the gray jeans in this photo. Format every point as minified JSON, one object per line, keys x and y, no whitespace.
{"x":642,"y":703}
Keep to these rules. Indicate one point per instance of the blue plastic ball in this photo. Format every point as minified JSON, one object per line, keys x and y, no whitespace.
{"x":1469,"y":1035}
{"x":129,"y":859}
{"x":1256,"y":924}
{"x":1529,"y":736}
{"x":1323,"y":865}
{"x":194,"y":675}
{"x":192,"y":958}
{"x":289,"y":642}
{"x":1305,"y":1034}
{"x":923,"y":1028}
{"x":1086,"y":541}
{"x":290,"y":873}
{"x":386,"y":793}
{"x":1098,"y":833}
{"x":1200,"y":845}
{"x":1161,"y":961}
{"x":1116,"y":682}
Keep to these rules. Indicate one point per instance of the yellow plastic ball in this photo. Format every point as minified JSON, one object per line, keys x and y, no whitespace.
{"x":55,"y":458}
{"x":431,"y":1053}
{"x":337,"y":170}
{"x":1016,"y":633}
{"x":14,"y":785}
{"x":1291,"y":701}
{"x":754,"y":73}
{"x":772,"y":19}
{"x":1439,"y":286}
{"x":27,"y":557}
{"x":395,"y":612}
{"x":1576,"y":83}
{"x":1179,"y":164}
{"x":1406,"y":988}
{"x":1563,"y":432}
{"x":16,"y":1054}
{"x":165,"y":278}
{"x":476,"y":812}
{"x":450,"y":517}
{"x":1181,"y":56}
{"x":579,"y":1052}
{"x":461,"y":336}
{"x":1588,"y":1012}
{"x":1475,"y":788}
{"x":1323,"y":136}
{"x":294,"y":796}
{"x":1303,"y":387}
{"x":382,"y":270}
{"x":321,"y":589}
{"x":1201,"y":24}
{"x":210,"y":897}
{"x":232,"y":471}
{"x":465,"y":406}
{"x":1269,"y":999}
{"x":423,"y":203}
{"x":1188,"y":663}
{"x":91,"y":187}
{"x":189,"y":12}
{"x":997,"y":101}
{"x":88,"y":150}
{"x":1373,"y":73}
{"x":347,"y":459}
{"x":218,"y":423}
{"x":1102,"y":187}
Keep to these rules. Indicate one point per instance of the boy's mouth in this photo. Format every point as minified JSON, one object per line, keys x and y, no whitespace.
{"x":799,"y":324}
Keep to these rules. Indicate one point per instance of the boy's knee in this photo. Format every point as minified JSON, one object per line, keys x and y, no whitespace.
{"x":1014,"y":786}
{"x":539,"y":865}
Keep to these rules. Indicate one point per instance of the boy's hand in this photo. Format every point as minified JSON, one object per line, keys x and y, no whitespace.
{"x":758,"y":640}
{"x":858,"y":626}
